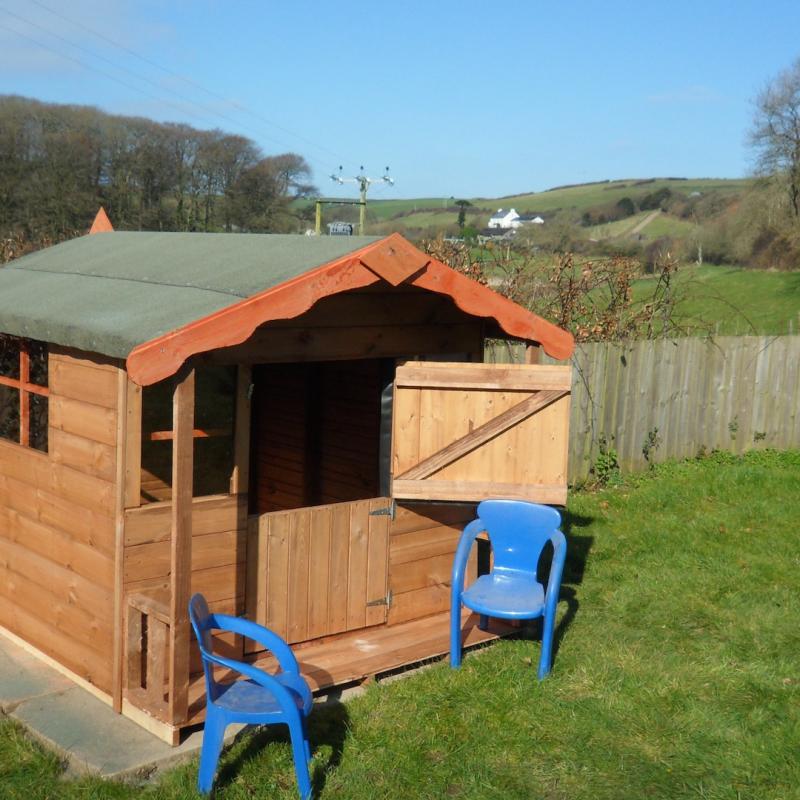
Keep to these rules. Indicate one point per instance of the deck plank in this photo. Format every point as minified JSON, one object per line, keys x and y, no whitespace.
{"x":358,"y":654}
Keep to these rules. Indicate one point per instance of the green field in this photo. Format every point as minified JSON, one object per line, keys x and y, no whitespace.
{"x":578,"y":198}
{"x":662,"y":225}
{"x":676,"y":674}
{"x":735,"y":301}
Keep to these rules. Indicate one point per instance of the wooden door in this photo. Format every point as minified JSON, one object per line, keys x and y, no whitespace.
{"x":313,"y":572}
{"x":470,"y":431}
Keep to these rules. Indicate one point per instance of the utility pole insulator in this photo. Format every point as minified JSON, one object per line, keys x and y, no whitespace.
{"x":364,"y":183}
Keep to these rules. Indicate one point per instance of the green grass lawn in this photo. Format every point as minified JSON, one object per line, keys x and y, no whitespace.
{"x":734,"y":301}
{"x":677,"y":673}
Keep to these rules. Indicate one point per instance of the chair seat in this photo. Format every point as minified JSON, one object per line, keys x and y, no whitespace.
{"x":248,"y":697}
{"x":505,"y":595}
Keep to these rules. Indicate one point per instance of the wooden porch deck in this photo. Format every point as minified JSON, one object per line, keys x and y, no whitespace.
{"x":351,"y":657}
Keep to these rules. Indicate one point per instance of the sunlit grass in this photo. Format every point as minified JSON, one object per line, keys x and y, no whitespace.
{"x":677,"y":673}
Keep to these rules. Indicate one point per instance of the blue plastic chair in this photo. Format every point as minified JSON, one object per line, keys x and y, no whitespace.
{"x":261,"y":699}
{"x":518,"y":532}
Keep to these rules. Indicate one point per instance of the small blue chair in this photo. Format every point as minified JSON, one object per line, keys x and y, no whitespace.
{"x":518,"y":532}
{"x":261,"y":699}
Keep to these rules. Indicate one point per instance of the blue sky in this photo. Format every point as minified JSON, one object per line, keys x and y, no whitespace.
{"x":458,"y":98}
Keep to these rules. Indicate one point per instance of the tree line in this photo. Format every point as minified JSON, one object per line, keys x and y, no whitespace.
{"x":59,"y":163}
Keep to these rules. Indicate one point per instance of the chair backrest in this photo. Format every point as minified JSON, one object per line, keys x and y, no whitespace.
{"x":518,"y":531}
{"x":202,"y":622}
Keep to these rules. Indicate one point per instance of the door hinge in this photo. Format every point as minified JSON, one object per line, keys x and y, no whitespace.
{"x":389,"y":511}
{"x":382,"y":601}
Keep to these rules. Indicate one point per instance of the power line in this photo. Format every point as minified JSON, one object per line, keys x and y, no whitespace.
{"x":205,"y":109}
{"x":190,"y":82}
{"x":98,"y":71}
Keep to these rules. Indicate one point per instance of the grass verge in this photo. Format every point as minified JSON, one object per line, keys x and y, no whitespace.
{"x":677,"y":673}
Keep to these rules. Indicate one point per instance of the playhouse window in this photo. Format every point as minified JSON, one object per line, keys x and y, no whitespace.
{"x":215,"y":389}
{"x":23,"y":392}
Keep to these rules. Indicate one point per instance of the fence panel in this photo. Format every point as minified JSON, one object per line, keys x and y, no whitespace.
{"x":685,"y":395}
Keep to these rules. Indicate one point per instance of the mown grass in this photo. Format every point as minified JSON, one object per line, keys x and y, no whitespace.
{"x":677,"y":673}
{"x":734,"y":301}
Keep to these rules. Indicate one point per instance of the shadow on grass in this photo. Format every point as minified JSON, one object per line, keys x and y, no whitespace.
{"x":328,"y":725}
{"x":578,"y":549}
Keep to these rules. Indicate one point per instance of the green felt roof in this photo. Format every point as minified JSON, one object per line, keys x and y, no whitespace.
{"x":109,"y":292}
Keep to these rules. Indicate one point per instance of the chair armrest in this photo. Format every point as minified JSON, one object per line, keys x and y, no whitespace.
{"x":260,"y":677}
{"x":468,"y":536}
{"x":559,"y":543}
{"x":252,"y":630}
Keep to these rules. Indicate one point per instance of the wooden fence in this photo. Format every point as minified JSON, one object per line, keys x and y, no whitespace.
{"x":684,"y":396}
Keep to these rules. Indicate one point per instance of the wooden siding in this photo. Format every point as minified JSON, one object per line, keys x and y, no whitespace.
{"x":218,"y":525}
{"x":422,"y":543}
{"x":57,"y":528}
{"x":218,"y":557}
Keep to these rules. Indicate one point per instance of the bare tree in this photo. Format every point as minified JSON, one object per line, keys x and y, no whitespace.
{"x":775,"y":134}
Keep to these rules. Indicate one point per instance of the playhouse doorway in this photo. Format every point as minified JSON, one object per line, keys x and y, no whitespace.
{"x":318,"y":531}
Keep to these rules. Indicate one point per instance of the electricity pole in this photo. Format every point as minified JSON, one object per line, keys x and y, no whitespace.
{"x":364,"y":183}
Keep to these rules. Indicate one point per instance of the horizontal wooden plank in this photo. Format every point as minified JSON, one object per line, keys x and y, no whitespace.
{"x":55,"y":578}
{"x":37,"y":470}
{"x":81,"y":524}
{"x":270,"y":345}
{"x":503,"y":377}
{"x":152,"y":560}
{"x":85,"y":455}
{"x":64,"y":649}
{"x":57,"y":547}
{"x":419,"y":603}
{"x":91,"y":630}
{"x":152,"y":523}
{"x":423,"y":544}
{"x":79,"y":380}
{"x":221,"y":583}
{"x":431,"y":489}
{"x":435,"y":570}
{"x":82,"y":358}
{"x":83,"y":419}
{"x":427,"y":516}
{"x":348,"y":310}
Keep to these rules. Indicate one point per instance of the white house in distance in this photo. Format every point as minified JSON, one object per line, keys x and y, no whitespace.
{"x":511,"y":220}
{"x":504,"y":219}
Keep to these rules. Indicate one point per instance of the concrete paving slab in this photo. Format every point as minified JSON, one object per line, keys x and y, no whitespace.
{"x":92,"y":738}
{"x":24,"y":677}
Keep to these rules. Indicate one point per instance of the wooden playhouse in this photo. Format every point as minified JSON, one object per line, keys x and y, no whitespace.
{"x":298,"y":427}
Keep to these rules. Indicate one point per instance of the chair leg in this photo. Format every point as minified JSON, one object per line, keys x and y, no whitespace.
{"x":455,"y":635}
{"x":300,"y":751}
{"x":547,"y":643}
{"x":213,"y":735}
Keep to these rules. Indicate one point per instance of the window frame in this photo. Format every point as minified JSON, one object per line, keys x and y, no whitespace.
{"x":25,"y":388}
